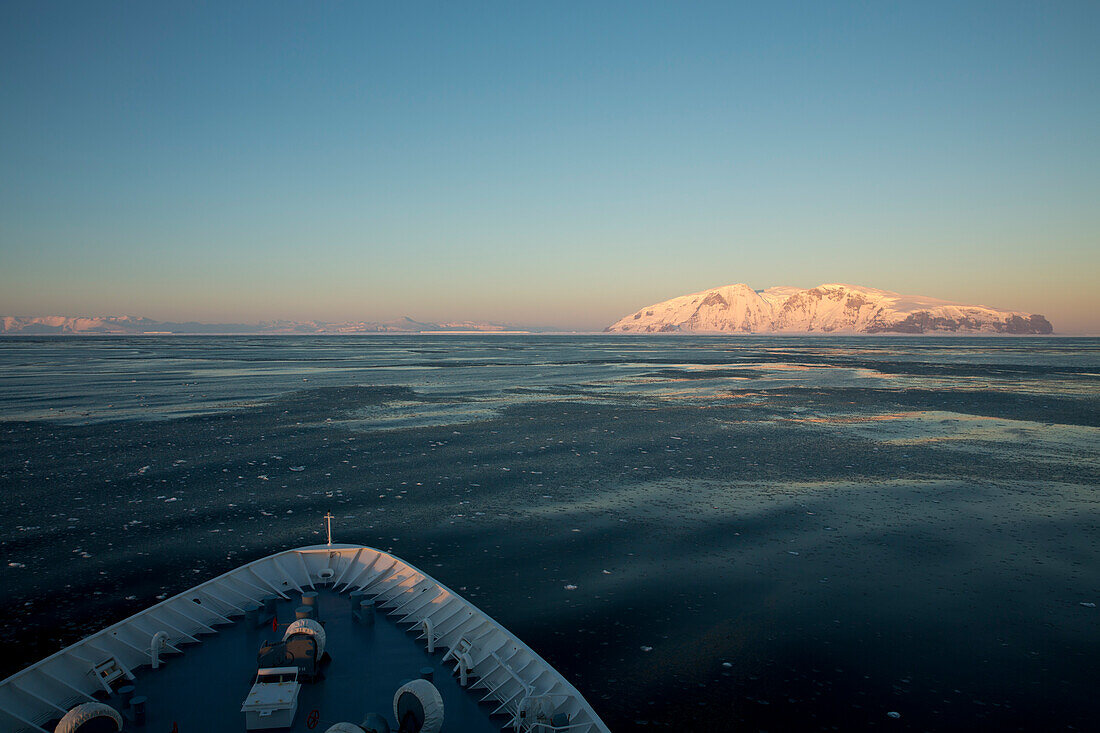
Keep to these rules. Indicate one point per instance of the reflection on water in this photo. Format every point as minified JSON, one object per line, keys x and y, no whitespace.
{"x":1041,"y":441}
{"x":94,"y":379}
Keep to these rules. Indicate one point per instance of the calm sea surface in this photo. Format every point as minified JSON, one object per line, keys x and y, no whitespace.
{"x":702,"y":533}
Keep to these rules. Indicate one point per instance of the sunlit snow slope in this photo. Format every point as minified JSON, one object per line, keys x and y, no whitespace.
{"x":830,"y":308}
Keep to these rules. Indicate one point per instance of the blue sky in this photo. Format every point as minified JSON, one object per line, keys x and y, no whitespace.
{"x":553,"y":163}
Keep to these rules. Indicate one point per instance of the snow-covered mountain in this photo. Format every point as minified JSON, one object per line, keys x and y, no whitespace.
{"x":32,"y":325}
{"x":132,"y":325}
{"x":830,"y":308}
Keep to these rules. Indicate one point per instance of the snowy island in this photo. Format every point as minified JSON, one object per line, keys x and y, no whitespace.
{"x":830,"y":308}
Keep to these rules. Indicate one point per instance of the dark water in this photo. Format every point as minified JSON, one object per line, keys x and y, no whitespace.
{"x":702,"y":533}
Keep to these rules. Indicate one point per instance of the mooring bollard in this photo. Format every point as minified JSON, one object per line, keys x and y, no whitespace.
{"x":366,"y":611}
{"x":309,"y":600}
{"x":137,"y":708}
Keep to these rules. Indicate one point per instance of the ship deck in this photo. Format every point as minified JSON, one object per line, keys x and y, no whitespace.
{"x":202,"y":689}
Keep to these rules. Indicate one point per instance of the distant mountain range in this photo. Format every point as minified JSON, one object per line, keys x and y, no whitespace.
{"x":131,"y":325}
{"x":831,"y":308}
